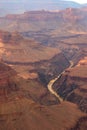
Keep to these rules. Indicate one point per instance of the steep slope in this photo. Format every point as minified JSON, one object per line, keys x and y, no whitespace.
{"x":72,"y":85}
{"x":51,"y":68}
{"x":7,"y":81}
{"x":20,"y":105}
{"x":12,"y":86}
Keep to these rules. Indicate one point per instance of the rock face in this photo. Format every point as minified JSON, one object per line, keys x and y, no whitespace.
{"x":75,"y":19}
{"x":7,"y":81}
{"x":72,"y":86}
{"x":71,"y":14}
{"x":51,"y":68}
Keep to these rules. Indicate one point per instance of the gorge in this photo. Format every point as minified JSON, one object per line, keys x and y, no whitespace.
{"x":43,"y":70}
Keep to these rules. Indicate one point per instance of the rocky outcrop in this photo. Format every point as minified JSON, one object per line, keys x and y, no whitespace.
{"x":71,"y":14}
{"x":72,"y":86}
{"x":33,"y":20}
{"x":27,"y":19}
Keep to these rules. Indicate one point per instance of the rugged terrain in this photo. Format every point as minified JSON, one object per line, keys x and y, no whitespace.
{"x":24,"y":103}
{"x":72,"y":86}
{"x":35,"y":58}
{"x":70,"y":20}
{"x":35,"y":48}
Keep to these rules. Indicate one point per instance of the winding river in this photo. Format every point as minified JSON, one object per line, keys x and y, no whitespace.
{"x":50,"y":84}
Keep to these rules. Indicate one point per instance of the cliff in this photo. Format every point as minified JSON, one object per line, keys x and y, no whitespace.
{"x":68,"y":20}
{"x":8,"y":83}
{"x":49,"y":69}
{"x":72,"y":86}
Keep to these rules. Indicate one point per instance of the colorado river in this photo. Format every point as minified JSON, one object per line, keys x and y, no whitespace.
{"x":50,"y":84}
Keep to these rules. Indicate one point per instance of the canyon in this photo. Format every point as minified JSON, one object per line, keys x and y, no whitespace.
{"x":42,"y":51}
